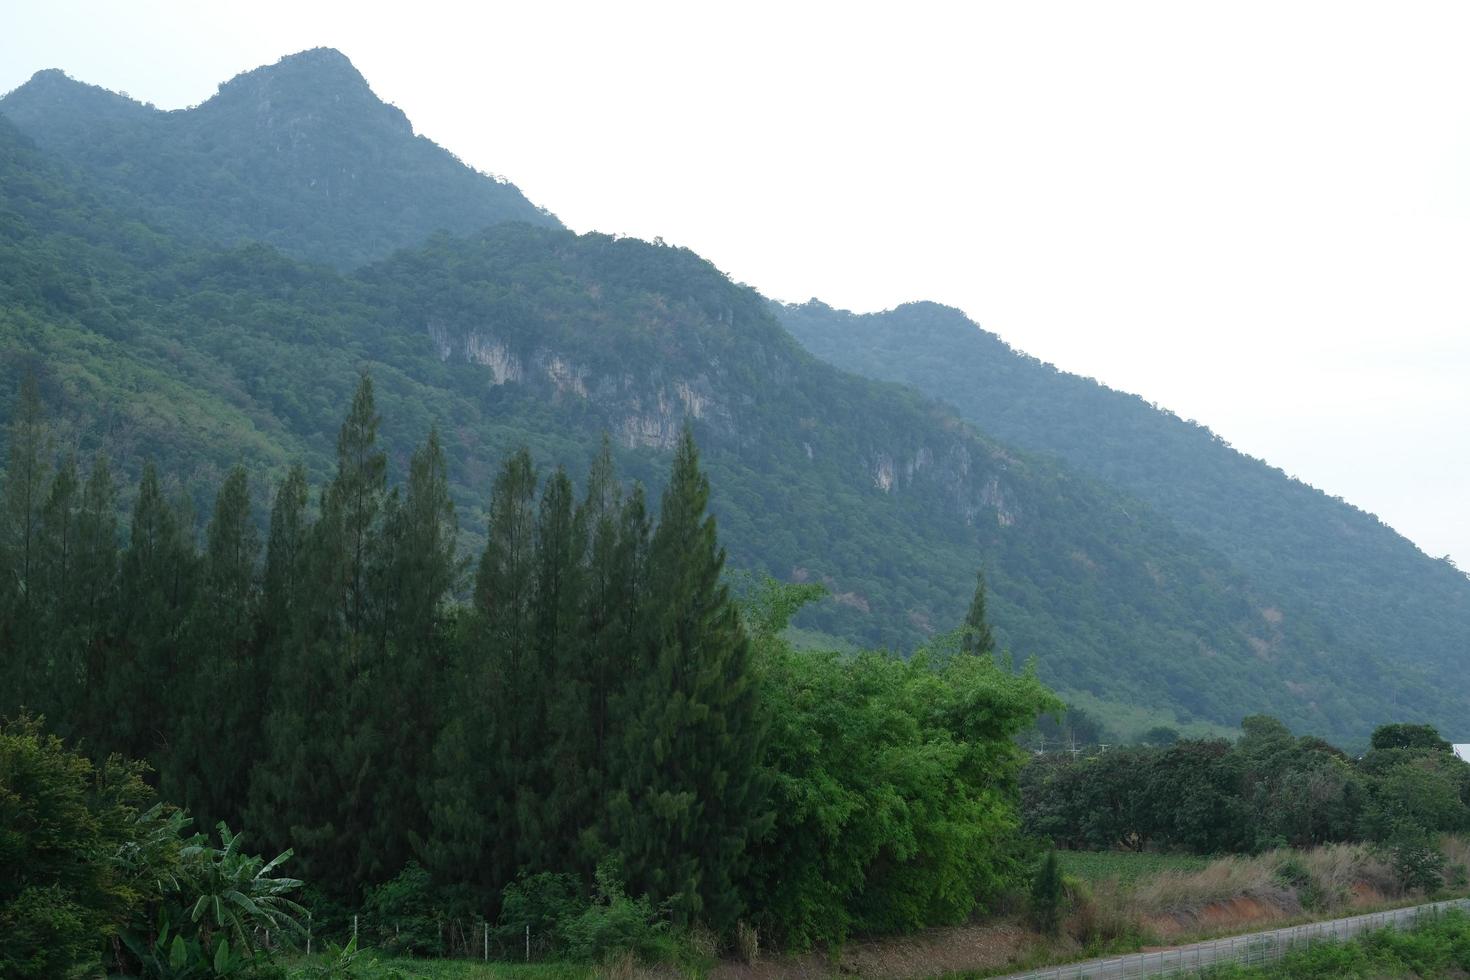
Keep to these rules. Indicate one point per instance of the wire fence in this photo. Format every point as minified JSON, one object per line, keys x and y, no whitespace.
{"x":1252,"y":949}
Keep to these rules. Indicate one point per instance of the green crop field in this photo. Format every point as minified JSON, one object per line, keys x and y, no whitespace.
{"x":1126,"y":867}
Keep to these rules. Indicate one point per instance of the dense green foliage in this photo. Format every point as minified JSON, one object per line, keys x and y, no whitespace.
{"x":1269,"y":789}
{"x":92,"y":873}
{"x":1339,"y":602}
{"x":893,"y":786}
{"x":300,"y":155}
{"x":599,"y":741}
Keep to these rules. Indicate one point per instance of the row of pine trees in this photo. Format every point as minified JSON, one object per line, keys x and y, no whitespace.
{"x":326,"y":689}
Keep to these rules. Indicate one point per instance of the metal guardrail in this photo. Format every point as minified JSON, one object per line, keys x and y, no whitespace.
{"x":1250,"y":949}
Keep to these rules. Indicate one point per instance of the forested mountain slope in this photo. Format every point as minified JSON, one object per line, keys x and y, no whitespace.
{"x":148,"y":342}
{"x":299,"y":154}
{"x":1373,"y":591}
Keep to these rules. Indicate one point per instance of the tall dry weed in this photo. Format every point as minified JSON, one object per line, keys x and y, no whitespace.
{"x":1174,"y":892}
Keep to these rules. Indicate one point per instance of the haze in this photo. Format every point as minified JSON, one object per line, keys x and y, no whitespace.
{"x":1256,"y":215}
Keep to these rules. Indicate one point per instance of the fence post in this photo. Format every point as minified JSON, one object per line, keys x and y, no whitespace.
{"x":486,"y":924}
{"x":528,"y":942}
{"x":354,"y":929}
{"x":308,"y":934}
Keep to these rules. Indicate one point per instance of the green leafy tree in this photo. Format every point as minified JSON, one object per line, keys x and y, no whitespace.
{"x":1402,"y":736}
{"x":892,"y":782}
{"x":62,"y":821}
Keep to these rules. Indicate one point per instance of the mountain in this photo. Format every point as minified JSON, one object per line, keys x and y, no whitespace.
{"x":300,"y":154}
{"x":1373,"y":592}
{"x":156,"y":334}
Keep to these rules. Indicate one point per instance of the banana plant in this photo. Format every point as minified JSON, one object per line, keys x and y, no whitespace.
{"x":211,"y":901}
{"x":235,"y":894}
{"x":177,"y":956}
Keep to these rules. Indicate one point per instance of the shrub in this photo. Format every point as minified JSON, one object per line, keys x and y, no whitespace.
{"x":1047,"y":895}
{"x":401,"y":914}
{"x":1416,"y":858}
{"x":542,"y":903}
{"x":1292,"y":873}
{"x":614,"y":923}
{"x":213,"y":904}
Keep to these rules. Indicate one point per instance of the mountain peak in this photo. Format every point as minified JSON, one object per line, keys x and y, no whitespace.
{"x":52,"y":93}
{"x":320,"y":66}
{"x":310,"y":83}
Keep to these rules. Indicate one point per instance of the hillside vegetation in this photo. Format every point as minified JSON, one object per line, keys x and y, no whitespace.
{"x":1359,"y":589}
{"x":300,"y":155}
{"x":149,"y":341}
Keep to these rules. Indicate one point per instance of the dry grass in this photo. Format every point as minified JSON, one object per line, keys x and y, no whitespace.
{"x":1327,"y":879}
{"x":1219,"y":881}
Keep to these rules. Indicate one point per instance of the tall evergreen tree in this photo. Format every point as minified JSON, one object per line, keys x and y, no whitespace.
{"x":692,"y":795}
{"x":547,"y":835}
{"x":591,"y":667}
{"x":407,"y":694}
{"x":281,"y":780}
{"x":93,"y":603}
{"x":56,"y":609}
{"x":218,"y":723}
{"x":494,"y":702}
{"x":24,"y":495}
{"x":505,"y":595}
{"x":282,"y":582}
{"x":356,"y":499}
{"x":975,"y":636}
{"x":156,"y":580}
{"x":314,"y":788}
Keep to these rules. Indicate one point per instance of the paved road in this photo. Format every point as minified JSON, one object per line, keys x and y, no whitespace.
{"x":1254,"y":947}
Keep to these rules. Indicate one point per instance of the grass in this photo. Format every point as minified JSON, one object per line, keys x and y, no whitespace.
{"x":471,"y":970}
{"x":1437,"y":948}
{"x":1124,"y":867}
{"x":456,"y":969}
{"x":1130,"y":720}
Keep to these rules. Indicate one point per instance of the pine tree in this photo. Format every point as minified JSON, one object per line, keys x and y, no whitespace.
{"x":493,"y":702}
{"x":314,"y":788}
{"x":156,"y":580}
{"x":422,"y":572}
{"x":20,"y":544}
{"x":549,"y":819}
{"x":56,"y":642}
{"x":218,"y":723}
{"x":356,"y":499}
{"x":591,"y":667}
{"x":282,"y":582}
{"x":282,"y":784}
{"x":92,"y":606}
{"x":692,"y":794}
{"x":976,"y":637}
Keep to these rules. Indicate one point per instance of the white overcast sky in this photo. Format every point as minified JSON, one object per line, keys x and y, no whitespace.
{"x":1254,"y":214}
